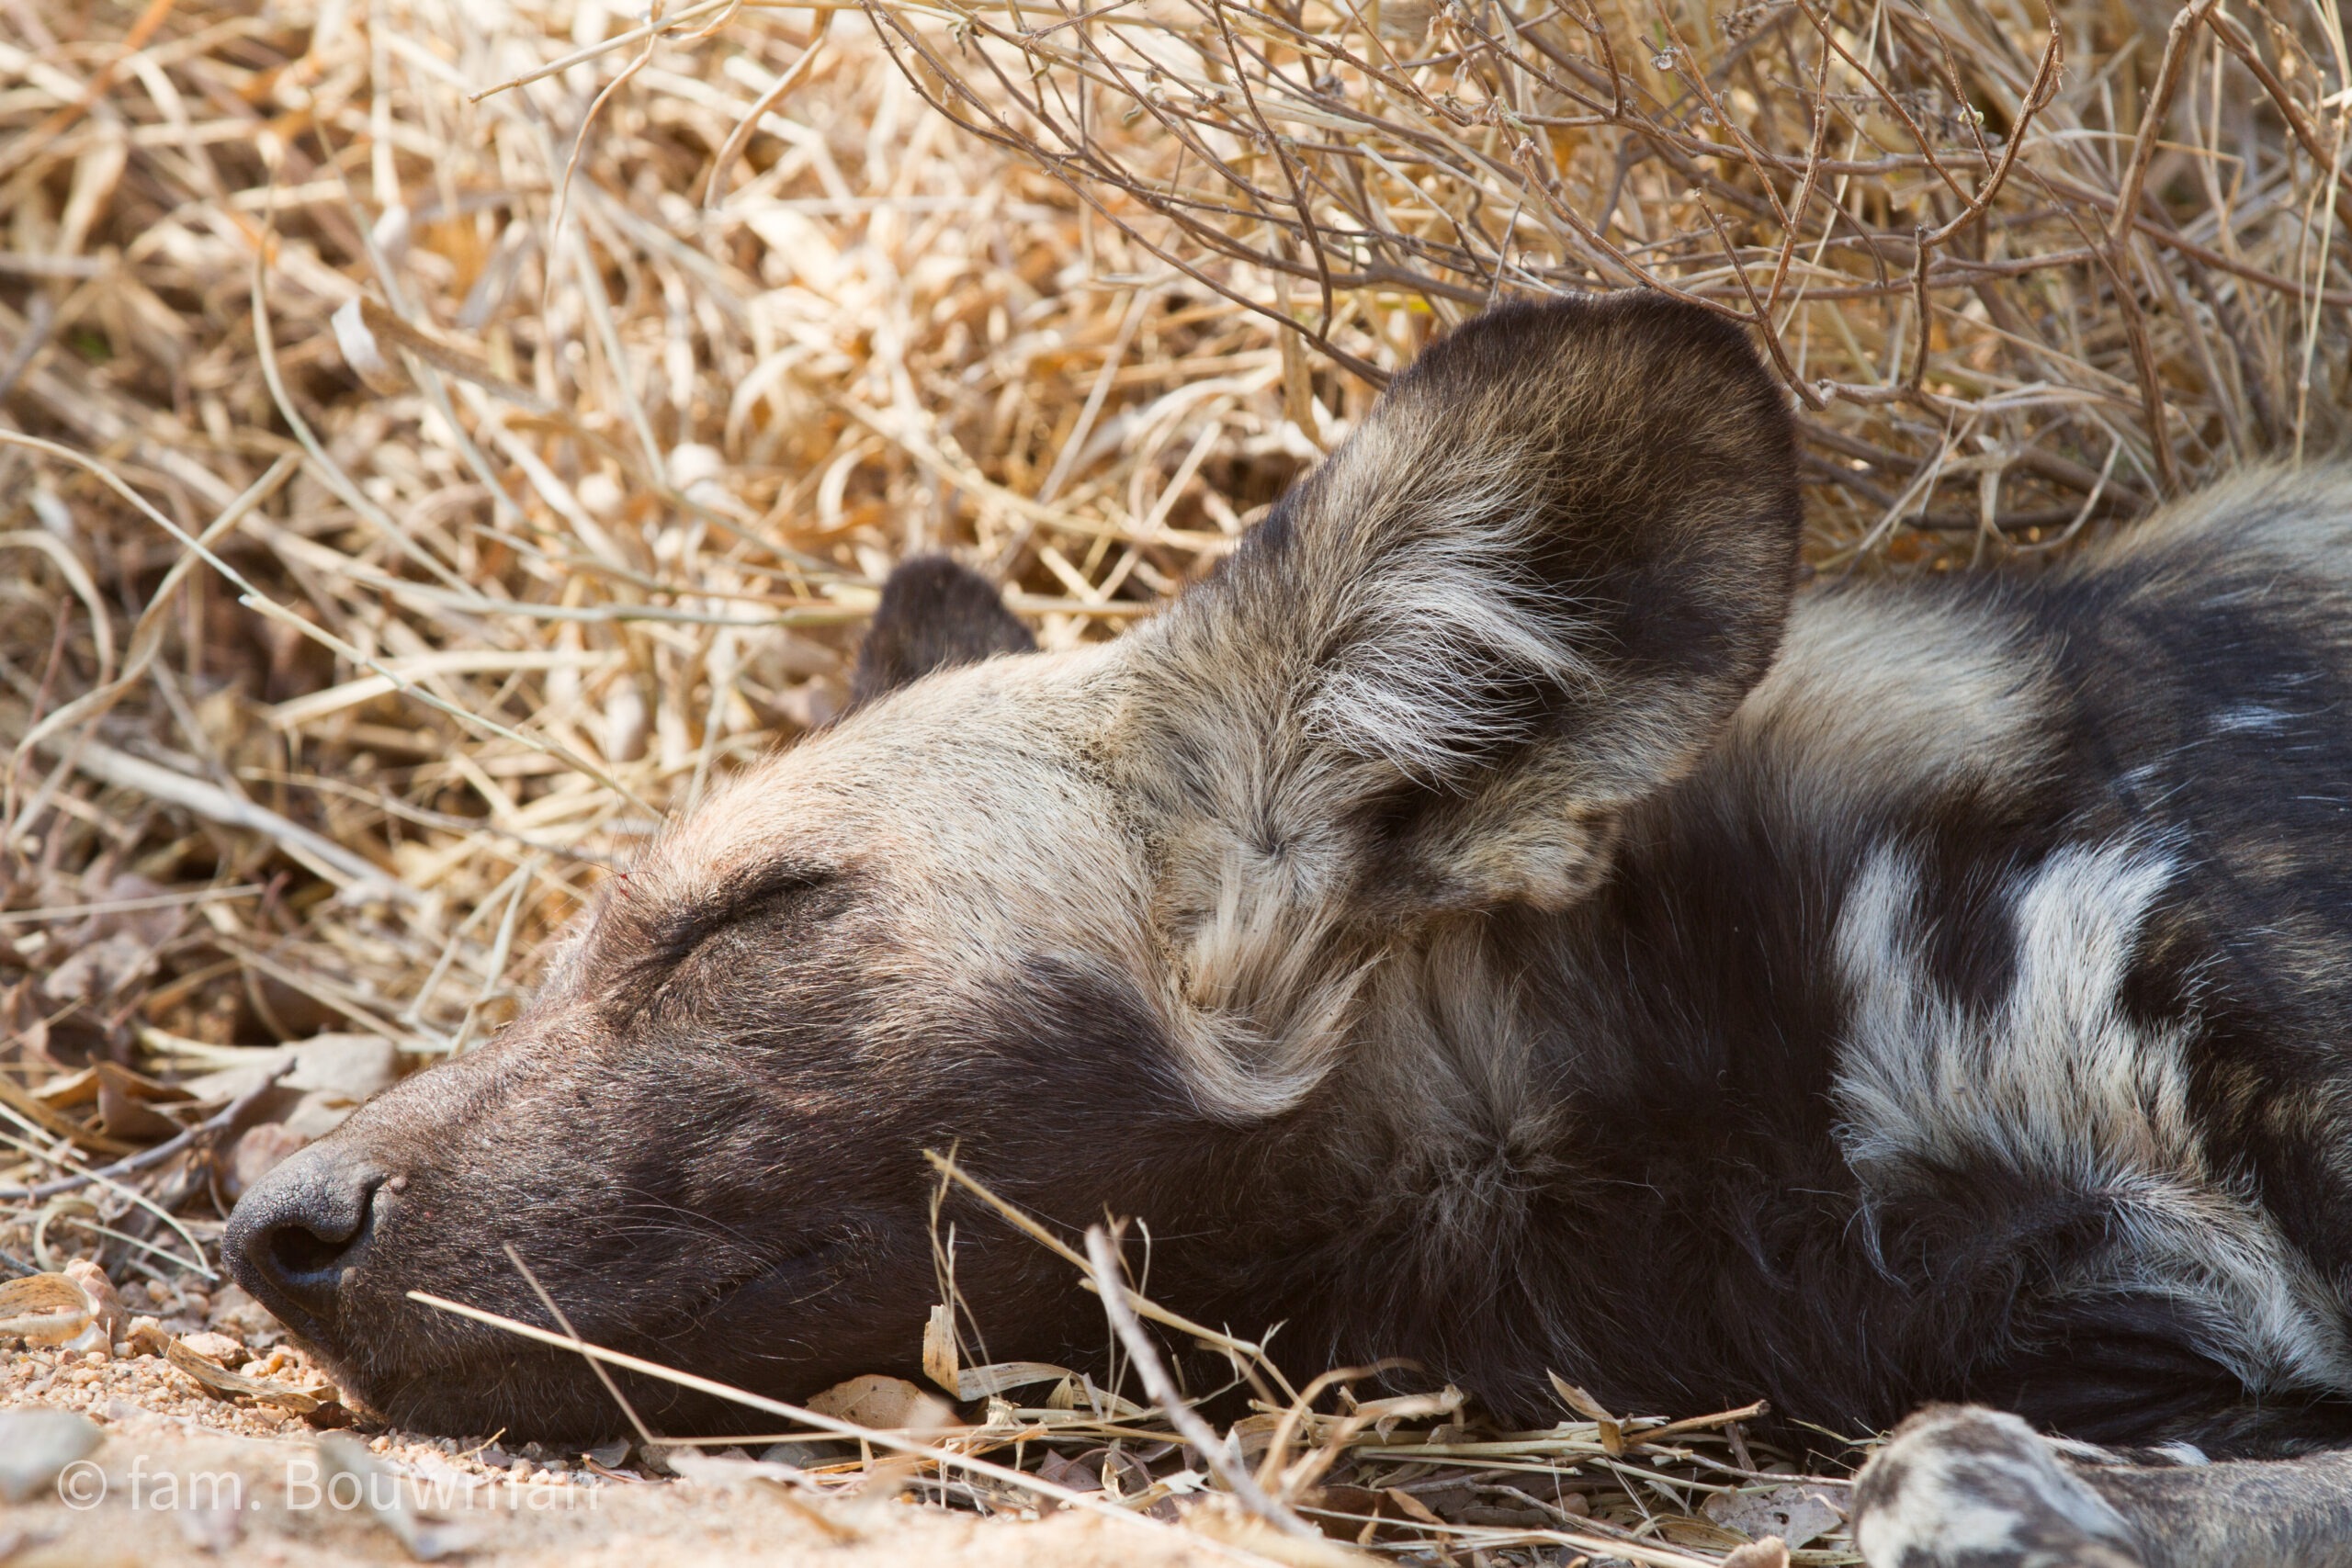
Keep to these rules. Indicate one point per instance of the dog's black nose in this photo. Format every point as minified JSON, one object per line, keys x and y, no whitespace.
{"x":296,"y":1230}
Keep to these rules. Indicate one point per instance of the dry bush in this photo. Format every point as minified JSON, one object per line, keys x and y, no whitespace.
{"x":2022,"y":268}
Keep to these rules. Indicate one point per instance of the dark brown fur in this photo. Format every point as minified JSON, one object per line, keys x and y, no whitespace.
{"x":933,"y":616}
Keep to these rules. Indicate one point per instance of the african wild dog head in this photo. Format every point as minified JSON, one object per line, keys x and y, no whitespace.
{"x":1137,"y":927}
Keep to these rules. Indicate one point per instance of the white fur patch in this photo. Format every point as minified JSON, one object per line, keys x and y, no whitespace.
{"x":2055,"y":1082}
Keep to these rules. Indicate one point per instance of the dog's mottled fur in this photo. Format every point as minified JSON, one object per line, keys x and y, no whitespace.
{"x":1494,"y":920}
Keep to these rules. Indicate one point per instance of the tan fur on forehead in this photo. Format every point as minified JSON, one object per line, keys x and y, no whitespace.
{"x":967,"y":798}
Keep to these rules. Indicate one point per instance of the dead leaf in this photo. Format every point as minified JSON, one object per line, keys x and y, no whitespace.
{"x":218,"y":1380}
{"x":1386,"y":1415}
{"x":890,"y":1403}
{"x":151,"y":928}
{"x":127,"y":1105}
{"x":1612,"y":1431}
{"x":55,"y":1121}
{"x":1360,"y":1502}
{"x":939,"y":1350}
{"x":1003,"y":1377}
{"x":125,"y":1102}
{"x":1069,"y":1474}
{"x":146,"y":1337}
{"x":48,"y":1309}
{"x":214,"y":1345}
{"x":1769,"y":1552}
{"x":259,"y":1152}
{"x":24,"y":1019}
{"x":99,"y":970}
{"x":77,"y":1089}
{"x":1412,"y":1507}
{"x":1795,"y":1513}
{"x":349,"y":1067}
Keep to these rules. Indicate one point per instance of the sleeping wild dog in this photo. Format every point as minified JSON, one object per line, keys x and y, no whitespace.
{"x":1495,"y":920}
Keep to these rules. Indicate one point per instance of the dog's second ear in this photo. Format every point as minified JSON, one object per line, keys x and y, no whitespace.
{"x":934,"y":615}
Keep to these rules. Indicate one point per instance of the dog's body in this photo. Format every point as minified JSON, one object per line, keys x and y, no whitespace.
{"x":1980,"y":1007}
{"x":1484,"y":924}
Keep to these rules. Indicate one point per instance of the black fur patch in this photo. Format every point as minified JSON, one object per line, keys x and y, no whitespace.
{"x":934,"y":615}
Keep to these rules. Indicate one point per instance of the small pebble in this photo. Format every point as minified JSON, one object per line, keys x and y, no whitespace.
{"x":36,"y":1444}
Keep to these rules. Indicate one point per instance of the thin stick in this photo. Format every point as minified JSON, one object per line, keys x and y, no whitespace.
{"x":947,"y":1166}
{"x":1110,"y":1283}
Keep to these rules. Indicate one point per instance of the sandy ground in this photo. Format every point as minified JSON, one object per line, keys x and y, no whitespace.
{"x":182,"y":1475}
{"x":162,"y":1492}
{"x":166,"y":1487}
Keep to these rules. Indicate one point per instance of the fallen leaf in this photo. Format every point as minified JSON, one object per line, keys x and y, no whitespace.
{"x":1069,"y":1474}
{"x":890,"y":1403}
{"x":1612,"y":1430}
{"x":348,"y":1066}
{"x":218,"y":1380}
{"x":258,"y":1153}
{"x":1361,"y":1502}
{"x":55,"y":1121}
{"x":939,"y":1350}
{"x":214,"y":1345}
{"x":1412,"y":1507}
{"x":105,"y":1307}
{"x":1795,"y":1513}
{"x":1769,"y":1552}
{"x":1003,"y":1377}
{"x":99,"y":970}
{"x":127,"y":1105}
{"x":47,"y":1309}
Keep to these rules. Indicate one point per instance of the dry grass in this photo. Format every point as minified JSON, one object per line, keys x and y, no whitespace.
{"x":409,"y":491}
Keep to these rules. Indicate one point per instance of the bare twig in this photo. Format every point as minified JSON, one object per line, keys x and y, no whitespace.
{"x":1110,"y":1283}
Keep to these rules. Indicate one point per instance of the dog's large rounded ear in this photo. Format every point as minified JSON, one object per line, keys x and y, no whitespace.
{"x":933,"y":614}
{"x":1528,"y":591}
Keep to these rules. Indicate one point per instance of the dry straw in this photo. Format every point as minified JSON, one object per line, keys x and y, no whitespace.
{"x":439,"y":436}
